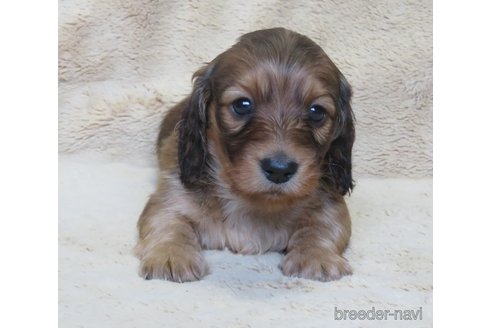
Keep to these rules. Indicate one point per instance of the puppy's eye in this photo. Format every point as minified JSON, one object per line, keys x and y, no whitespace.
{"x":316,"y":113}
{"x":242,"y":106}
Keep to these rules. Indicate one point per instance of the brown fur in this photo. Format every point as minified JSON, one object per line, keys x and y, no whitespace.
{"x":212,"y":192}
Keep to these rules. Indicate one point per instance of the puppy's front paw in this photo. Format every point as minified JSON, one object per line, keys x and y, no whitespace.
{"x":173,"y":262}
{"x":316,"y":264}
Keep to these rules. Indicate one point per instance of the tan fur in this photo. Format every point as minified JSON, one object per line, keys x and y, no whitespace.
{"x":235,"y":207}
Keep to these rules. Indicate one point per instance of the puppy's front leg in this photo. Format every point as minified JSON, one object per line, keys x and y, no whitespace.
{"x":315,"y":248}
{"x":168,"y":247}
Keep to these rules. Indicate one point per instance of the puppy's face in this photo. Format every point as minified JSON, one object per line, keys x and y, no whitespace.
{"x":274,"y":124}
{"x":269,"y":112}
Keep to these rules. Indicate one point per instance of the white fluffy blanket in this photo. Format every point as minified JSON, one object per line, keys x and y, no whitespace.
{"x":123,"y":63}
{"x":100,"y":201}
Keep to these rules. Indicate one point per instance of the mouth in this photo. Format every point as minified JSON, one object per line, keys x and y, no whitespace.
{"x":273,"y":199}
{"x":275,"y":193}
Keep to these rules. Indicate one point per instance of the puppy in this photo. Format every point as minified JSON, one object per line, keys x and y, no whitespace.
{"x":257,"y":158}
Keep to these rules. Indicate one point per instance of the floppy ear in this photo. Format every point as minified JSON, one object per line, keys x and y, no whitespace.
{"x":338,"y":160}
{"x":192,"y":143}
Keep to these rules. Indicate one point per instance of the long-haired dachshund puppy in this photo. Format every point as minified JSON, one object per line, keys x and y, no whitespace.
{"x":257,"y":158}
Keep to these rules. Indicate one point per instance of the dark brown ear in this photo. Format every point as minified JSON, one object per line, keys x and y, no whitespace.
{"x":338,"y":160}
{"x":192,"y":144}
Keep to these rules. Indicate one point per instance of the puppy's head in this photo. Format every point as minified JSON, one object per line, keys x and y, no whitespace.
{"x":270,"y":119}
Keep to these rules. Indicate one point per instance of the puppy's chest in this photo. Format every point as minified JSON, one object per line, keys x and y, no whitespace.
{"x":227,"y":224}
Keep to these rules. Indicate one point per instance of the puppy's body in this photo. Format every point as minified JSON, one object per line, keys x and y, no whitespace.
{"x":257,"y":159}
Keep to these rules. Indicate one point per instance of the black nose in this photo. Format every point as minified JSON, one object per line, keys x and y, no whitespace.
{"x":278,"y":169}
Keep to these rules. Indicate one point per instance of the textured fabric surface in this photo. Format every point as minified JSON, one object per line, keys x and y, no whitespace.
{"x":390,"y":252}
{"x":122,"y":64}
